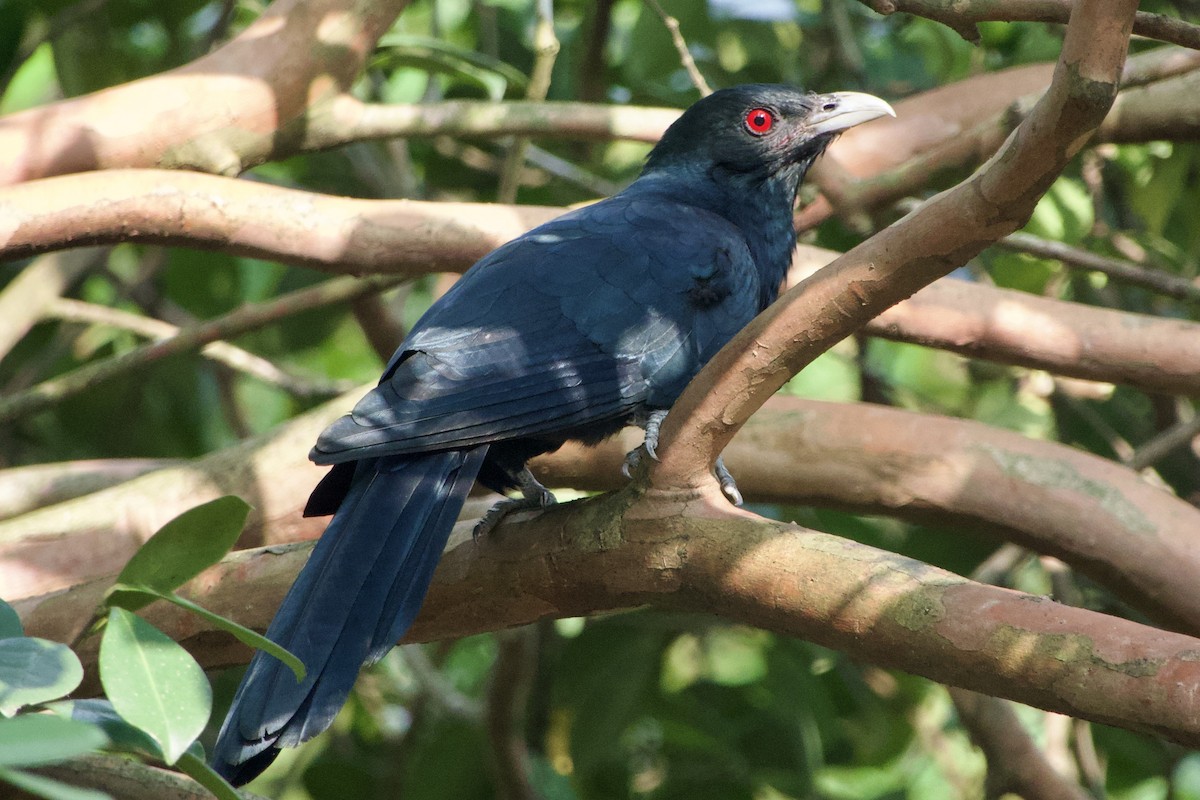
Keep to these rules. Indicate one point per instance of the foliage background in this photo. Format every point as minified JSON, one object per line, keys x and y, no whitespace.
{"x":640,"y":704}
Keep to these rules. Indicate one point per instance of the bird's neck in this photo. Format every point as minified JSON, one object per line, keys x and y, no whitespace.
{"x":762,"y":209}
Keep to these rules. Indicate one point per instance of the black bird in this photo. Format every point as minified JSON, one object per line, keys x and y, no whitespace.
{"x":592,"y":321}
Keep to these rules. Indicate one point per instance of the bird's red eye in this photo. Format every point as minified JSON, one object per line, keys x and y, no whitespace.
{"x":759,"y":121}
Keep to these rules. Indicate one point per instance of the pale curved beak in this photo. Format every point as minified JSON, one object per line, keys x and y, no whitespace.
{"x":838,"y":111}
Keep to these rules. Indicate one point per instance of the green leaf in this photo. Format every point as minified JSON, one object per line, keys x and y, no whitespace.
{"x":119,"y":596}
{"x":199,"y":771}
{"x":122,"y":735}
{"x":48,"y":787}
{"x":153,"y":682}
{"x":186,"y":546}
{"x":35,"y":671}
{"x":10,"y":623}
{"x":31,"y":740}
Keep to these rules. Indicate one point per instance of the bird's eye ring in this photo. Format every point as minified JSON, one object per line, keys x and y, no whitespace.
{"x":759,"y":121}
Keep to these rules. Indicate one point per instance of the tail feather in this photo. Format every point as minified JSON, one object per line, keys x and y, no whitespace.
{"x":358,"y":594}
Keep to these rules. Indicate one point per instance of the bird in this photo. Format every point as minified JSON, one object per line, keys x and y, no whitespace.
{"x":590,"y":322}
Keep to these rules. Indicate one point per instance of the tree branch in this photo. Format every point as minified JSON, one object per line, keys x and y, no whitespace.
{"x":333,"y":234}
{"x":1115,"y":268}
{"x":1015,"y":763}
{"x":413,"y":238}
{"x":241,"y":105}
{"x":1098,"y":516}
{"x":233,"y":357}
{"x":621,"y":550}
{"x":942,"y":235}
{"x":25,"y":489}
{"x":962,"y":17}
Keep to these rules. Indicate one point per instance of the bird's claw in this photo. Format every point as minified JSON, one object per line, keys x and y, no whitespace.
{"x":728,"y":484}
{"x":533,"y":496}
{"x":649,"y":445}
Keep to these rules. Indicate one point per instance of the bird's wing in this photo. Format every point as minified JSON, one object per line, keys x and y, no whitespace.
{"x":596,"y":314}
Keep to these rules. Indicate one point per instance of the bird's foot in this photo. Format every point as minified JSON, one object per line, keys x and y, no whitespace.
{"x":533,"y":495}
{"x":649,"y":445}
{"x":728,"y":484}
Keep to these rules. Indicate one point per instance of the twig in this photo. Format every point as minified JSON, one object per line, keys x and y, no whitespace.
{"x":685,"y":55}
{"x":546,"y":48}
{"x":1117,"y":269}
{"x":1015,"y":764}
{"x":48,"y":393}
{"x":508,"y":698}
{"x":569,"y":172}
{"x":348,"y":119}
{"x":1150,"y":453}
{"x":222,"y":352}
{"x":963,"y":16}
{"x":441,"y":691}
{"x":381,"y":327}
{"x":23,"y":300}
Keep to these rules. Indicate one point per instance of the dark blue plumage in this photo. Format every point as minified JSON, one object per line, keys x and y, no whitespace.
{"x":594,"y":320}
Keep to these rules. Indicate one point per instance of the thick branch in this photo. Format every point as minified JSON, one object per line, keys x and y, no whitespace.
{"x":240,"y":105}
{"x":942,"y":235}
{"x":338,"y":234}
{"x":25,"y":489}
{"x":334,"y":234}
{"x":1100,"y":517}
{"x":621,"y":551}
{"x":1010,"y":327}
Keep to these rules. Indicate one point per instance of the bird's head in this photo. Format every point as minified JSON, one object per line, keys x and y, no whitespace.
{"x":760,"y":132}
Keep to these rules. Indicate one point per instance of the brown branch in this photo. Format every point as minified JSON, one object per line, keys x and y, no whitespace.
{"x":927,"y":244}
{"x":1045,"y":496}
{"x":415,"y":238}
{"x":347,"y":119}
{"x":334,"y":234}
{"x":955,"y":127}
{"x":545,"y":48}
{"x":1163,"y":110}
{"x":243,"y":104}
{"x":685,"y":55}
{"x":23,"y":302}
{"x":24,"y":489}
{"x":1096,"y":515}
{"x":962,"y":17}
{"x":512,"y":678}
{"x":1010,"y":327}
{"x":1115,"y":268}
{"x":1177,"y":436}
{"x":622,"y":550}
{"x":1015,"y":762}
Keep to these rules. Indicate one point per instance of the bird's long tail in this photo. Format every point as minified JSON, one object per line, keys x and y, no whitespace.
{"x":357,"y":595}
